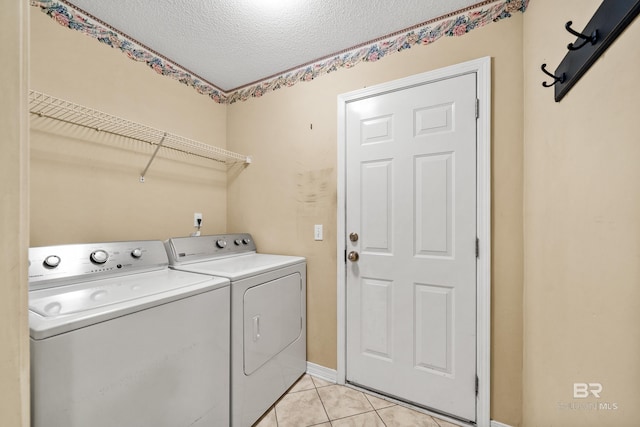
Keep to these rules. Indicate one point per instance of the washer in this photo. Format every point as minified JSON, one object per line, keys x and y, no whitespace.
{"x":268,"y":316}
{"x":119,"y":339}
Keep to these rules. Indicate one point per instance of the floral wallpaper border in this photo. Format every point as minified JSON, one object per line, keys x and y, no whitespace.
{"x":453,"y":25}
{"x":67,"y":16}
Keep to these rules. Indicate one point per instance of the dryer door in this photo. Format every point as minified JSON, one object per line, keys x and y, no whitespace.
{"x":272,"y":319}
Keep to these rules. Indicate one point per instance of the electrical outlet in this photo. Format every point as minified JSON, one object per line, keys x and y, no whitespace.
{"x":317,"y":232}
{"x":197,"y":219}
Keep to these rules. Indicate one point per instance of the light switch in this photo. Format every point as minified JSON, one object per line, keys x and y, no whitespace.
{"x":317,"y":232}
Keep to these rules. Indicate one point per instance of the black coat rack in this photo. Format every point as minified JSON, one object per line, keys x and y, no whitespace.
{"x":609,"y":21}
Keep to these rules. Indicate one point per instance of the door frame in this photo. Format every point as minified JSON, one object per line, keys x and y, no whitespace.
{"x":482,"y":68}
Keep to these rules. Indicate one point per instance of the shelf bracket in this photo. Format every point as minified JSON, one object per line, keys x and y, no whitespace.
{"x":153,"y":156}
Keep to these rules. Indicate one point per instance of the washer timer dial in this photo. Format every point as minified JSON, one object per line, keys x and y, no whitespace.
{"x":136,"y":253}
{"x":100,"y":256}
{"x":52,"y":261}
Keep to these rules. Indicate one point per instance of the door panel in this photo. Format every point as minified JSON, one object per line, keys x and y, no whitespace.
{"x":376,"y":130}
{"x":436,"y":118}
{"x":377,"y":215}
{"x":377,"y":334}
{"x":272,"y":319}
{"x":433,"y":204}
{"x":434,"y":328}
{"x":411,"y":197}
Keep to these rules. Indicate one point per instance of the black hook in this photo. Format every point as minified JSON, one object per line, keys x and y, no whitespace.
{"x":593,"y":38}
{"x":556,"y":79}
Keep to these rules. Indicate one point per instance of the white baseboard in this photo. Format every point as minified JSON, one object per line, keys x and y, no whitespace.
{"x":321,"y":372}
{"x":498,"y":424}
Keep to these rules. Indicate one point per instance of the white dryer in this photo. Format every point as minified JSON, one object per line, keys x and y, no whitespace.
{"x":119,"y":339}
{"x":268,"y":316}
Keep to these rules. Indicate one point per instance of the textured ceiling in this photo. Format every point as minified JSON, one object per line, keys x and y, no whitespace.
{"x":233,"y":43}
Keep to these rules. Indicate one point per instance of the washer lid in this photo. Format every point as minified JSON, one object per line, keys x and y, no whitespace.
{"x":242,"y":266}
{"x":63,"y":308}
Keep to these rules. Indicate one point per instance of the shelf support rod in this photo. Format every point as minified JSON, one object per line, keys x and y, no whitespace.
{"x":153,"y":156}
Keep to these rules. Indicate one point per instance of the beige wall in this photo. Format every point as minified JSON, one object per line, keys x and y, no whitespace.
{"x":292,"y":185}
{"x":14,"y":235}
{"x":581,"y":208}
{"x":582,"y":227}
{"x":580,"y":159}
{"x":84,"y":185}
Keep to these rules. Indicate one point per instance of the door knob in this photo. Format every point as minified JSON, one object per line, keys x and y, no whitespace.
{"x":353,"y":256}
{"x":353,"y":237}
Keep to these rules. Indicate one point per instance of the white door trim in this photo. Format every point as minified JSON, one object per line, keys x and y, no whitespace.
{"x":482,"y":68}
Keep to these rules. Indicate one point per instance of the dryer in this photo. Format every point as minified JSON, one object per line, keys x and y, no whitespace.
{"x":119,"y":339}
{"x":268,"y":316}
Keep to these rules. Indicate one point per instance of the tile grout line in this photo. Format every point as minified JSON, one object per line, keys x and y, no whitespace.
{"x":275,"y":413}
{"x":321,"y":401}
{"x":381,"y":420}
{"x":373,"y":409}
{"x":366,"y":396}
{"x":362,"y":413}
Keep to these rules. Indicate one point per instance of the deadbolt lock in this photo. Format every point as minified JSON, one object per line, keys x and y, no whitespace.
{"x":353,"y":237}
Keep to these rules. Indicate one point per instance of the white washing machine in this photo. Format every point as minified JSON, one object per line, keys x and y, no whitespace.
{"x":268,"y":316}
{"x":119,"y":339}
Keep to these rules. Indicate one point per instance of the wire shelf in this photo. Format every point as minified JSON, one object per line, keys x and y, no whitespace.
{"x":51,"y":107}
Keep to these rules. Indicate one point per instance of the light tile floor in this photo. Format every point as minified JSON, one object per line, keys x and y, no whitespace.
{"x":315,"y":402}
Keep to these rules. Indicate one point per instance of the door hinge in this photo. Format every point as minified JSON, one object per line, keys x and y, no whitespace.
{"x":477,"y":248}
{"x":477,"y":108}
{"x":477,"y":385}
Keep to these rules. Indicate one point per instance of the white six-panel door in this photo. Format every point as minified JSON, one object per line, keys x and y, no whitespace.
{"x":411,"y":200}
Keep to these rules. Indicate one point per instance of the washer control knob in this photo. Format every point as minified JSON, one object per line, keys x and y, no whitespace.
{"x":52,"y":261}
{"x":99,"y":257}
{"x":246,"y":240}
{"x":221,"y":243}
{"x":136,"y":253}
{"x":238,"y":242}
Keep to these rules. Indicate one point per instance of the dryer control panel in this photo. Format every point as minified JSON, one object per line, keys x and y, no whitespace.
{"x":49,"y":265}
{"x":196,"y":249}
